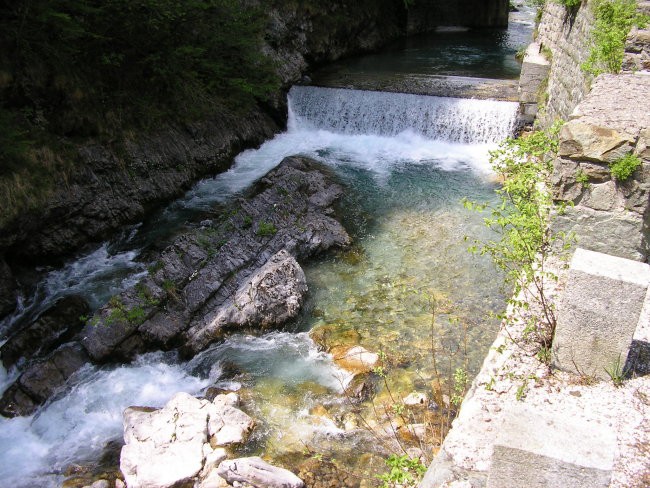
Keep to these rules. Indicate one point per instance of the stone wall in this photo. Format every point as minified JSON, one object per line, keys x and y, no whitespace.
{"x":566,"y":35}
{"x":605,"y":121}
{"x":606,"y":215}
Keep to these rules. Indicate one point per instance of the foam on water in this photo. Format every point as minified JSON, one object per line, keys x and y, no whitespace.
{"x":292,"y":357}
{"x":372,"y":130}
{"x":389,"y":114}
{"x":35,"y":450}
{"x":96,"y":276}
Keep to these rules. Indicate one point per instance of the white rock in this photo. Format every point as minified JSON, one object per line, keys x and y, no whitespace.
{"x":258,"y":473}
{"x":228,"y":399}
{"x":146,"y":466}
{"x":212,"y":480}
{"x":165,"y":446}
{"x":416,"y":399}
{"x":213,"y":459}
{"x":228,"y":425}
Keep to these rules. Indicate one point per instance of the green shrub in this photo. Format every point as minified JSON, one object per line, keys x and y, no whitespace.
{"x":521,"y":222}
{"x":582,"y":178}
{"x":570,"y":4}
{"x":613,"y":21}
{"x":623,"y":168}
{"x":266,"y":229}
{"x":92,"y":65}
{"x":404,"y":472}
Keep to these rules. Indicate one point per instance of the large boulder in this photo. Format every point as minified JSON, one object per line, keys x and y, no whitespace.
{"x":255,"y":472}
{"x":241,"y":271}
{"x":172,"y":445}
{"x":271,"y":296}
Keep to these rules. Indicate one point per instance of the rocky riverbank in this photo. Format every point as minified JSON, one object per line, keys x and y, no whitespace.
{"x":239,"y":271}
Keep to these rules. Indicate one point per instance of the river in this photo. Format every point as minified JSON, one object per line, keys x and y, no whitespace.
{"x":406,"y":162}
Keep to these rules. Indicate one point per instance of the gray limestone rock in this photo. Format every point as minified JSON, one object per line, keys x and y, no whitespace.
{"x":41,"y":380}
{"x":272,"y":295}
{"x":241,"y":272}
{"x":255,"y":472}
{"x":514,"y":468}
{"x":618,"y":233}
{"x":587,"y":142}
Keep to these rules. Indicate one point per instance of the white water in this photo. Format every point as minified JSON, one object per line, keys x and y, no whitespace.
{"x":349,"y":132}
{"x":389,"y":114}
{"x":35,"y":450}
{"x":96,"y":276}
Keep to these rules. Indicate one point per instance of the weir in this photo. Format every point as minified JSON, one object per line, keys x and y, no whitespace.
{"x":389,"y":114}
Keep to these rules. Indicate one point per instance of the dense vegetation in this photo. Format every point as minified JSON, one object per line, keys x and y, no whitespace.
{"x":73,"y":69}
{"x":91,"y":67}
{"x":614,"y":19}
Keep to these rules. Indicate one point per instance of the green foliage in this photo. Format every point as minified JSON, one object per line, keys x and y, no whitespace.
{"x":520,"y":394}
{"x":88,"y":66}
{"x":404,"y":472}
{"x":623,"y":168}
{"x":544,"y":355}
{"x":14,"y":144}
{"x":614,"y":19}
{"x":570,"y":4}
{"x":521,"y":222}
{"x":582,"y":178}
{"x":266,"y":229}
{"x":247,"y":222}
{"x":615,"y":372}
{"x":460,"y":385}
{"x":119,"y":313}
{"x":146,"y":296}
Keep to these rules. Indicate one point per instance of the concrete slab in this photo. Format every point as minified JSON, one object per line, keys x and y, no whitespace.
{"x":562,"y":431}
{"x":598,"y":313}
{"x":514,"y":468}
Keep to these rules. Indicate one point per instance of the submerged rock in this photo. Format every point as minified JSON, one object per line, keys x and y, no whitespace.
{"x":355,"y":359}
{"x":255,"y":472}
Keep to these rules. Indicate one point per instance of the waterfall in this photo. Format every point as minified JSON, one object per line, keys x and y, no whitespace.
{"x":457,"y":120}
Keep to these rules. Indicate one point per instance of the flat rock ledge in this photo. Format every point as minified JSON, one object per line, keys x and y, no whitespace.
{"x":185,"y":444}
{"x":239,"y":272}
